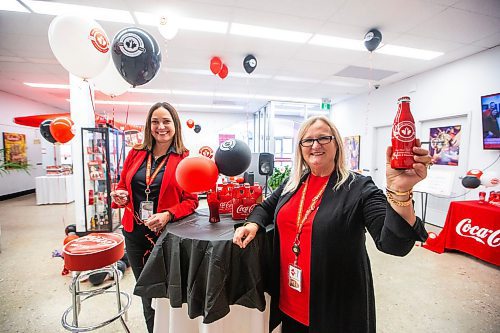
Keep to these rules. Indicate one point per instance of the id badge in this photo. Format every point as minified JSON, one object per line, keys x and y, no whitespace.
{"x":146,"y":209}
{"x":295,"y":277}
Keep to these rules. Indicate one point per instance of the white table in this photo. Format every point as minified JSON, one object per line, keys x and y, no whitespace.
{"x":239,"y":320}
{"x":54,"y":189}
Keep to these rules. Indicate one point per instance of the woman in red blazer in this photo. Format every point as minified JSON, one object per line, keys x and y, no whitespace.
{"x":149,"y":191}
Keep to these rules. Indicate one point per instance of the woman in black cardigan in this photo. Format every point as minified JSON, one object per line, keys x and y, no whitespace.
{"x":321,"y":280}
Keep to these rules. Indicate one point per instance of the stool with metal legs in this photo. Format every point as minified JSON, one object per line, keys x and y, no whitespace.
{"x":97,"y":253}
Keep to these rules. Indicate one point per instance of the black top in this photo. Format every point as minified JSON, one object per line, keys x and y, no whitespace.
{"x":139,"y":182}
{"x":342,"y":298}
{"x":195,"y":262}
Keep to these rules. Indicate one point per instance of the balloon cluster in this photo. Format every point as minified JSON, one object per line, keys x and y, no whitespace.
{"x":200,"y":173}
{"x":218,"y":67}
{"x":57,"y":130}
{"x":476,"y":177}
{"x":190,"y":124}
{"x":82,"y":47}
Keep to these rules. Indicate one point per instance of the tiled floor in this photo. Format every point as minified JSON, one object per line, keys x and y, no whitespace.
{"x":423,"y":292}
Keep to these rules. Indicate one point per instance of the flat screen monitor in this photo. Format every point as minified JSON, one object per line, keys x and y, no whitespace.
{"x":490,"y":112}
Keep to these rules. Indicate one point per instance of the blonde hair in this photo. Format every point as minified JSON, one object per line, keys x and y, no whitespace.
{"x":300,"y":167}
{"x":149,"y":140}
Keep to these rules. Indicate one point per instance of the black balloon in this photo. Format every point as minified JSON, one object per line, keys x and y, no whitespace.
{"x":136,"y":55}
{"x":249,"y":63}
{"x":372,"y":39}
{"x":471,"y":182}
{"x":197,"y":128}
{"x":70,"y":228}
{"x":233,"y":157}
{"x":45,"y":131}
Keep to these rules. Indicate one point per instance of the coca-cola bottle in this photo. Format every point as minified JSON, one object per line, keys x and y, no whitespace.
{"x":213,"y":206}
{"x":403,"y":136}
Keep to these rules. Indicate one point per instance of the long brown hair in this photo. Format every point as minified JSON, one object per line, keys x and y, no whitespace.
{"x":149,"y":140}
{"x":300,"y":166}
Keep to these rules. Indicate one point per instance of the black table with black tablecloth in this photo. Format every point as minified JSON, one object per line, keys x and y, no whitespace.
{"x":195,"y":262}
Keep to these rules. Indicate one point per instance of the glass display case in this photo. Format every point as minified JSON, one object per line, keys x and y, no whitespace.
{"x":103,"y":153}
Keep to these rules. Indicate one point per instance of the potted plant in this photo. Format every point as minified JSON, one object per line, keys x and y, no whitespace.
{"x":6,"y":167}
{"x":278,"y":177}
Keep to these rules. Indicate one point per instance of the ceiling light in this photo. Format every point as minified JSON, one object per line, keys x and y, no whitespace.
{"x":150,"y":91}
{"x":338,"y":42}
{"x":123,"y":103}
{"x":12,"y":6}
{"x":295,"y":79}
{"x":98,"y":13}
{"x":189,"y":23}
{"x":208,"y":106}
{"x":47,"y":85}
{"x":408,"y":52}
{"x":269,"y":33}
{"x":343,"y":84}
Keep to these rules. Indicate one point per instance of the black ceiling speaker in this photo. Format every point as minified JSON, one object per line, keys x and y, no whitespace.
{"x":266,"y":164}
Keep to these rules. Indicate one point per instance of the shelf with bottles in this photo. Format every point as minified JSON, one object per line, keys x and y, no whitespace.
{"x":102,"y":156}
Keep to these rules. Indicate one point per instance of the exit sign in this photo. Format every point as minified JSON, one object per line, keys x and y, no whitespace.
{"x":326,"y":103}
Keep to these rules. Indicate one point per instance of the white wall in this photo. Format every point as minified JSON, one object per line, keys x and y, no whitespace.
{"x":13,"y":106}
{"x":212,"y":124}
{"x":453,"y":89}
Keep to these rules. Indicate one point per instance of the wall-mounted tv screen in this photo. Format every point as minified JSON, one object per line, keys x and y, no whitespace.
{"x":490,"y":109}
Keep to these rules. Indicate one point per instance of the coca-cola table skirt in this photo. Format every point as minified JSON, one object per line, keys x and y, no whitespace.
{"x":195,"y":263}
{"x":472,"y":228}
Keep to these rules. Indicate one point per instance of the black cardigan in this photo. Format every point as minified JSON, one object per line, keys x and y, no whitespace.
{"x":342,"y":297}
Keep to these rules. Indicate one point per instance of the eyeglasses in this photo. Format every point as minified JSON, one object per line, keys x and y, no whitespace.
{"x":323,"y":140}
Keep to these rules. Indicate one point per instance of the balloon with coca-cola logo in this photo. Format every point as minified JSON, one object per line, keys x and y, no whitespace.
{"x":233,"y":157}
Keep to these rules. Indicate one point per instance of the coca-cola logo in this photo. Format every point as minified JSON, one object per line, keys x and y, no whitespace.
{"x":245,"y":209}
{"x":226,"y":205}
{"x":404,"y":131}
{"x":465,"y":228}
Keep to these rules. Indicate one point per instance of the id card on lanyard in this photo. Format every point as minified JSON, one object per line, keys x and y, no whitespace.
{"x":146,"y":207}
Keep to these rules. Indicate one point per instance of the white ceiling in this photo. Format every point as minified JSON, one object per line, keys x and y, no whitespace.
{"x":458,"y":28}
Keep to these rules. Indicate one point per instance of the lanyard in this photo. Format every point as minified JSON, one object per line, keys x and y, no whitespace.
{"x":151,"y":177}
{"x":301,"y":220}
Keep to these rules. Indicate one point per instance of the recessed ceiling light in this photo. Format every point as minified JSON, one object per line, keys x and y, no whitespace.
{"x":269,"y":33}
{"x":295,"y":79}
{"x":97,"y":13}
{"x":408,"y":52}
{"x":185,"y":23}
{"x":337,"y":42}
{"x":12,"y":6}
{"x":47,"y":85}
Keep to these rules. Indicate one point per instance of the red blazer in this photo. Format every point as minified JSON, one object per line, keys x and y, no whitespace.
{"x":172,"y":197}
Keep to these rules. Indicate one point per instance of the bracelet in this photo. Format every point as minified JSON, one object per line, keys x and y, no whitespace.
{"x":409,"y":192}
{"x":400,"y":203}
{"x":247,"y":223}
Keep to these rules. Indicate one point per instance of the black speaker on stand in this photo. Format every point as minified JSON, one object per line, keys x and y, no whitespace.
{"x":266,"y":167}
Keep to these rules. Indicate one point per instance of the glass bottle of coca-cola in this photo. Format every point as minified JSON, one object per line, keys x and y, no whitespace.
{"x":403,"y":136}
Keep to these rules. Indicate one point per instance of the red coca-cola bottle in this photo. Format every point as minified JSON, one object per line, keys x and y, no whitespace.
{"x":213,"y":206}
{"x":403,"y":136}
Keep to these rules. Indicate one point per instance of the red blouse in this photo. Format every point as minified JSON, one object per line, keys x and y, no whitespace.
{"x":293,"y":303}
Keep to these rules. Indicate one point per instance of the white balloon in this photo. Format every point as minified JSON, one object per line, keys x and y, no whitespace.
{"x":110,"y":82}
{"x":79,"y":44}
{"x":490,"y":179}
{"x":168,"y":26}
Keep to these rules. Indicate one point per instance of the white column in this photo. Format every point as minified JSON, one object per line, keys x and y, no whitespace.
{"x":82,"y":113}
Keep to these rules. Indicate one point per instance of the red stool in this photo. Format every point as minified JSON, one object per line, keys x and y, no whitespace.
{"x":98,"y":253}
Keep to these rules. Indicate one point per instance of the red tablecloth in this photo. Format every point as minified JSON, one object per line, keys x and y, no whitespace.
{"x":472,"y":228}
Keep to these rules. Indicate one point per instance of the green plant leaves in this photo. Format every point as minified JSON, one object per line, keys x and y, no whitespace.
{"x":278,"y":177}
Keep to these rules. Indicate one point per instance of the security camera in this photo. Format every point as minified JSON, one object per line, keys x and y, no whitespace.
{"x":376,"y":86}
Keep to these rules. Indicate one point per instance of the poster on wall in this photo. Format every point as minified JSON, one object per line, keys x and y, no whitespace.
{"x":14,"y":149}
{"x":224,"y":137}
{"x":445,"y":144}
{"x":351,"y":144}
{"x":133,"y":137}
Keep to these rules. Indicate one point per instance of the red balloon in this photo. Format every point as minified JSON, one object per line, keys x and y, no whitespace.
{"x":215,"y":65}
{"x":206,"y":151}
{"x":190,"y":123}
{"x":223,"y":72}
{"x":196,"y":174}
{"x":62,"y":129}
{"x":69,"y":238}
